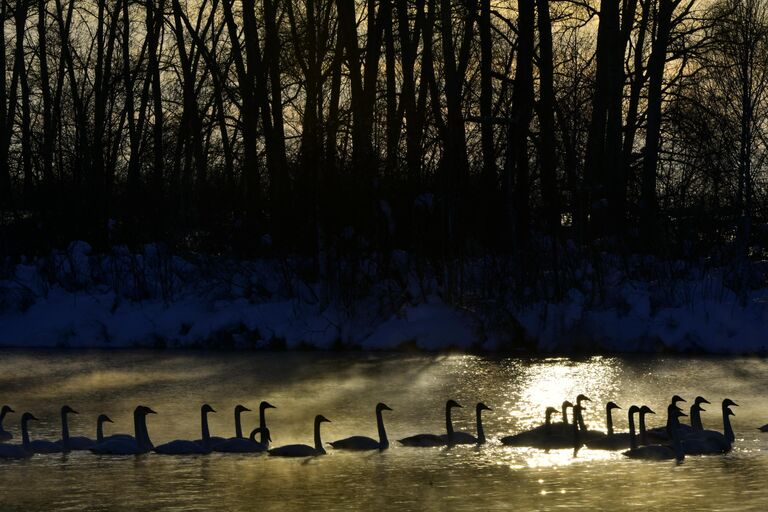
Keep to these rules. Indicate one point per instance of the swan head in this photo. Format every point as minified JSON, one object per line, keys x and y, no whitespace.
{"x":611,"y":406}
{"x":633,"y":410}
{"x":700,"y":400}
{"x":728,"y":402}
{"x":550,"y":410}
{"x":646,"y":410}
{"x":205,"y":409}
{"x":382,"y":407}
{"x":567,"y":404}
{"x":729,"y":412}
{"x":144,"y":410}
{"x":241,"y":408}
{"x":674,"y":411}
{"x":482,"y":407}
{"x":321,"y":419}
{"x":68,"y":410}
{"x":103,"y":418}
{"x":451,"y":403}
{"x":266,"y":405}
{"x":677,"y":398}
{"x":27,"y":416}
{"x":582,"y":398}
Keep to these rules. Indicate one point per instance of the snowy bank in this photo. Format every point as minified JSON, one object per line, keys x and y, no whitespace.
{"x":75,"y":298}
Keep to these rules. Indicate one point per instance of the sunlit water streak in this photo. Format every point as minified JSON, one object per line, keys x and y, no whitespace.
{"x":345,"y":388}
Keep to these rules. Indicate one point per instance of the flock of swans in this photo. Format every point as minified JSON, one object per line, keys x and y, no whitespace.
{"x":673,"y":441}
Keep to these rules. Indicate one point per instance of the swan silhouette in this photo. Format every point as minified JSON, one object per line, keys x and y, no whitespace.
{"x":244,"y":445}
{"x":303,"y":450}
{"x":4,"y":434}
{"x":657,"y":451}
{"x":186,"y":447}
{"x":215,"y":440}
{"x":68,"y":442}
{"x":265,"y":437}
{"x":662,"y":434}
{"x":536,"y":433}
{"x":764,"y":428}
{"x":466,"y":437}
{"x":23,"y":450}
{"x":60,"y":446}
{"x":711,"y":442}
{"x":128,"y":445}
{"x":366,"y":443}
{"x":429,"y":440}
{"x":695,"y":413}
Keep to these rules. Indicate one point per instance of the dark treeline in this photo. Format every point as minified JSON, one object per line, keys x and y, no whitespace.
{"x":442,"y":127}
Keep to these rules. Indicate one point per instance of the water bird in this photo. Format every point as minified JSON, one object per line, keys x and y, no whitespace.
{"x":711,"y":442}
{"x":661,"y":434}
{"x":100,"y":421}
{"x":367,"y":443}
{"x":186,"y":447}
{"x":466,"y":437}
{"x":303,"y":450}
{"x":764,"y":428}
{"x":658,"y":451}
{"x":129,"y":445}
{"x":215,"y":440}
{"x":429,"y":440}
{"x":23,"y":450}
{"x":616,"y":440}
{"x":695,"y":413}
{"x":244,"y":445}
{"x":68,"y":442}
{"x":4,"y":434}
{"x":60,"y":446}
{"x":265,"y":438}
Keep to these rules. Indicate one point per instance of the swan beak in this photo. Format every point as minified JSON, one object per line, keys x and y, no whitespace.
{"x":108,"y":420}
{"x":213,"y":410}
{"x":267,"y":405}
{"x":10,"y":410}
{"x":704,"y":401}
{"x":32,"y":417}
{"x":245,"y":409}
{"x":73,"y":411}
{"x":386,"y":408}
{"x":150,"y":411}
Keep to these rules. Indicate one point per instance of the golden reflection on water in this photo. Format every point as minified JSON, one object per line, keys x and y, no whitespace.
{"x":345,"y":388}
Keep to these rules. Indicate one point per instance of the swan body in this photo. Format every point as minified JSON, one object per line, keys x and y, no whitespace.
{"x":657,"y":451}
{"x":4,"y":434}
{"x":23,"y":450}
{"x":466,"y":437}
{"x":216,"y":440}
{"x":613,"y":440}
{"x":361,"y":443}
{"x":540,"y":431}
{"x":242,"y":444}
{"x":68,"y":442}
{"x":128,"y":445}
{"x":764,"y":428}
{"x":186,"y":447}
{"x":303,"y":450}
{"x":430,"y":440}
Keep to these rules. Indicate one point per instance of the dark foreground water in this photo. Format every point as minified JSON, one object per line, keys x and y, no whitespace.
{"x":345,"y":388}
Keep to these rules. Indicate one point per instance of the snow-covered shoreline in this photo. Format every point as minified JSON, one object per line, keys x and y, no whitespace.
{"x":76,"y":298}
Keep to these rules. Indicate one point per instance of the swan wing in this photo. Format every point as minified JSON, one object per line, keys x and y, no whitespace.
{"x":356,"y":443}
{"x":239,"y":445}
{"x":117,"y":447}
{"x":460,"y":438}
{"x":41,"y":446}
{"x":13,"y":451}
{"x":180,"y":447}
{"x":422,"y":440}
{"x":293,"y":450}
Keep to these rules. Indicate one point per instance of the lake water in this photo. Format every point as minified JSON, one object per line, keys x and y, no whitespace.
{"x":345,"y":388}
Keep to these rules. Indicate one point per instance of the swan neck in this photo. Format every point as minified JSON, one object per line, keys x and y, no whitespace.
{"x":565,"y":414}
{"x":696,"y":417}
{"x":204,"y":426}
{"x":448,"y":425}
{"x":238,"y":426}
{"x":25,"y":435}
{"x":383,"y":441}
{"x":263,"y":426}
{"x":727,"y":428}
{"x":318,"y":442}
{"x":99,"y":431}
{"x":643,"y":435}
{"x":64,"y":429}
{"x":579,"y":419}
{"x":480,"y":431}
{"x":632,"y":438}
{"x":548,"y":418}
{"x":2,"y":417}
{"x":609,"y":421}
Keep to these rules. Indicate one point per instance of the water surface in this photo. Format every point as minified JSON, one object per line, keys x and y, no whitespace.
{"x":345,"y":388}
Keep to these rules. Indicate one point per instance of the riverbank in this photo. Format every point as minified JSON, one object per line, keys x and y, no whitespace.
{"x":76,"y":298}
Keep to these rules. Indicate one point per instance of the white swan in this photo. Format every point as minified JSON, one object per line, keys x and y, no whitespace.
{"x":466,"y":437}
{"x":186,"y":447}
{"x":303,"y":450}
{"x":23,"y":450}
{"x":244,"y":445}
{"x":711,"y":442}
{"x":657,"y":451}
{"x":4,"y":434}
{"x":367,"y":443}
{"x":428,"y":440}
{"x":136,"y":445}
{"x":616,"y":440}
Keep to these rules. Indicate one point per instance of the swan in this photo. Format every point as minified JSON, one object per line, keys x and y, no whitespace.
{"x":244,"y":445}
{"x":657,"y":451}
{"x":563,"y":427}
{"x":85,"y":443}
{"x":643,"y":432}
{"x":585,"y":433}
{"x":528,"y":436}
{"x":303,"y":450}
{"x":661,"y":434}
{"x":367,"y":443}
{"x":103,"y":418}
{"x":215,"y":440}
{"x":428,"y":440}
{"x":4,"y":434}
{"x":68,"y":442}
{"x":129,"y":445}
{"x":24,"y":450}
{"x":466,"y":437}
{"x":616,"y":440}
{"x":60,"y":446}
{"x":185,"y":447}
{"x":764,"y":428}
{"x":710,"y":442}
{"x":265,"y":438}
{"x":695,"y":414}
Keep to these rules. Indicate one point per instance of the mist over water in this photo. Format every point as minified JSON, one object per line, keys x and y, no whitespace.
{"x":345,"y":388}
